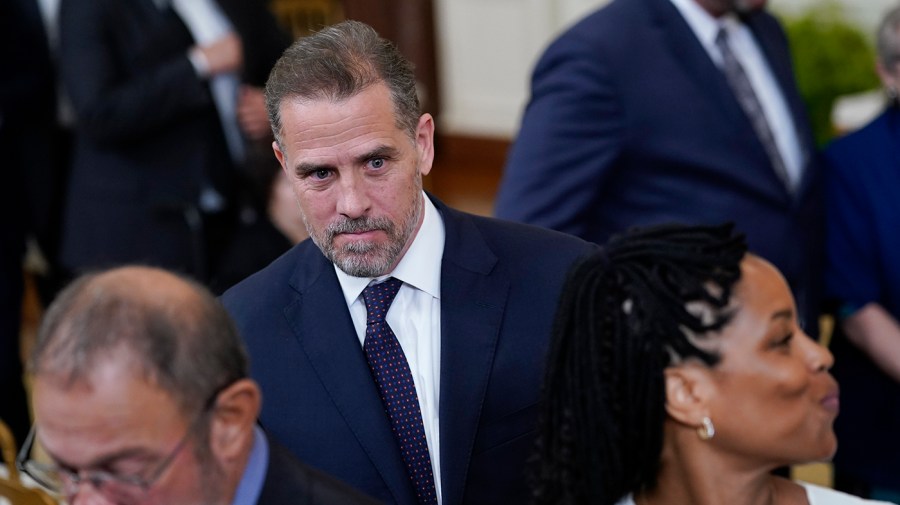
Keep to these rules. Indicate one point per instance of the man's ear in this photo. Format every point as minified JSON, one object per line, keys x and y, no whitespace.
{"x":279,"y":155}
{"x":233,"y":418}
{"x":425,"y":143}
{"x":689,"y":389}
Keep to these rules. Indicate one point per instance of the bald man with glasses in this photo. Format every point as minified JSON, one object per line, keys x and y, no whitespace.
{"x":141,"y":396}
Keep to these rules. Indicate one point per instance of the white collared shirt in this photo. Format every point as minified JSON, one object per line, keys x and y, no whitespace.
{"x":50,"y":15}
{"x":751,"y":58}
{"x":415,"y":317}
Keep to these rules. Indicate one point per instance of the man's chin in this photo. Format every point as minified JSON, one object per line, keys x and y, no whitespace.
{"x":354,"y":248}
{"x":356,"y":268}
{"x":361,"y":263}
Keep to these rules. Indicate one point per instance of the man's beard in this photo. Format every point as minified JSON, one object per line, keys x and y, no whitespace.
{"x":367,"y":259}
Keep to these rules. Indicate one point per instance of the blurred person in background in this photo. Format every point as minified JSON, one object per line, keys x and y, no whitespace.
{"x":679,"y":374}
{"x":142,"y":397}
{"x":269,"y":224}
{"x":652,"y":111}
{"x":169,"y":105}
{"x":863,"y":283}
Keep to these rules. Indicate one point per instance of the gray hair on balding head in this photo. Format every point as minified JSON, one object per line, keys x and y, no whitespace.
{"x":888,"y":40}
{"x":179,"y":335}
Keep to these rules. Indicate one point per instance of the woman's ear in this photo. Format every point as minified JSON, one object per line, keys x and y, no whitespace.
{"x":233,"y":418}
{"x":689,"y":389}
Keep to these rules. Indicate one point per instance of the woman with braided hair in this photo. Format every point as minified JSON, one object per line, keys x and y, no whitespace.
{"x":678,"y":374}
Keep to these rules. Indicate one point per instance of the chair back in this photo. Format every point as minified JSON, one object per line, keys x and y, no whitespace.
{"x":11,"y":487}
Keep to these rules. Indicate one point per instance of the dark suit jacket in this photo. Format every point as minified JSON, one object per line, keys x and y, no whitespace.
{"x":631,"y":123}
{"x":290,"y":482}
{"x":863,"y":238}
{"x":499,"y":287}
{"x":148,"y":134}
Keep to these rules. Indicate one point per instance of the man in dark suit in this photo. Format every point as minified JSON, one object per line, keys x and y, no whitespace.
{"x":634,"y":120}
{"x":401,"y":348}
{"x":141,"y":395}
{"x":168,"y":100}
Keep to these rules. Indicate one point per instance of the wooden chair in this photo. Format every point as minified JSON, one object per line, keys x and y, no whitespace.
{"x":11,"y":486}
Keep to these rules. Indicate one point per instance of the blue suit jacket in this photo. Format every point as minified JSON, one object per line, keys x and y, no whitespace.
{"x":863,"y":181}
{"x":499,"y":287}
{"x":631,"y":123}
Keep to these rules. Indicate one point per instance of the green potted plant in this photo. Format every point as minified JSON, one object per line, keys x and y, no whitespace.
{"x":832,"y":57}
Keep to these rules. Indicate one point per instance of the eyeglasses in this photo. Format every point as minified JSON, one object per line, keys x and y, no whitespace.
{"x":119,"y":489}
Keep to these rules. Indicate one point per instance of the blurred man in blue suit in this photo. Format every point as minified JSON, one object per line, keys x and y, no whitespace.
{"x":401,"y":348}
{"x":651,"y":111}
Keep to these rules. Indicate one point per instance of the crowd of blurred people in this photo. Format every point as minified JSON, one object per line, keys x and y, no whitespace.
{"x":130,"y":130}
{"x":618,"y":344}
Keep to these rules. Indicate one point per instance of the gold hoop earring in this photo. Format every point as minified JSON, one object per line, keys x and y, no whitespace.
{"x":707,"y":431}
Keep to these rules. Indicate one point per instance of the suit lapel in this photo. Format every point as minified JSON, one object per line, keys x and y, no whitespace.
{"x":33,"y":19}
{"x":323,"y":327}
{"x":678,"y":39}
{"x":473,"y":298}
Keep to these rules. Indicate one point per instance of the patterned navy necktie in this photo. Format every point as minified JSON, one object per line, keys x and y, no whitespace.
{"x":398,"y":392}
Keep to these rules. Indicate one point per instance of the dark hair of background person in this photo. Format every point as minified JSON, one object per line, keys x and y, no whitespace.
{"x":187,"y":345}
{"x":337,"y":63}
{"x":650,"y":299}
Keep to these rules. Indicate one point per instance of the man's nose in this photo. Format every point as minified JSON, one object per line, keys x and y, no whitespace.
{"x":87,"y":494}
{"x":83,"y":492}
{"x":353,"y":199}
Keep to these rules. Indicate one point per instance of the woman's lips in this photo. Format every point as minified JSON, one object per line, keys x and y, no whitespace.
{"x":832,"y":402}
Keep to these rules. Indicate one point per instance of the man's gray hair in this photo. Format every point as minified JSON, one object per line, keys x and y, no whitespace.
{"x":888,"y":42}
{"x":337,"y":63}
{"x":180,"y":336}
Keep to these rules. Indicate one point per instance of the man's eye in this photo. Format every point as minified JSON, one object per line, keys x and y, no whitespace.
{"x":377,"y":163}
{"x":321,"y":174}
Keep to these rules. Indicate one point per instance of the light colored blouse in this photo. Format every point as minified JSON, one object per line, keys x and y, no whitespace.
{"x":815,"y":495}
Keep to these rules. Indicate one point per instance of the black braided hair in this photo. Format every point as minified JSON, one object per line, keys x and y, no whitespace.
{"x":623,"y":318}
